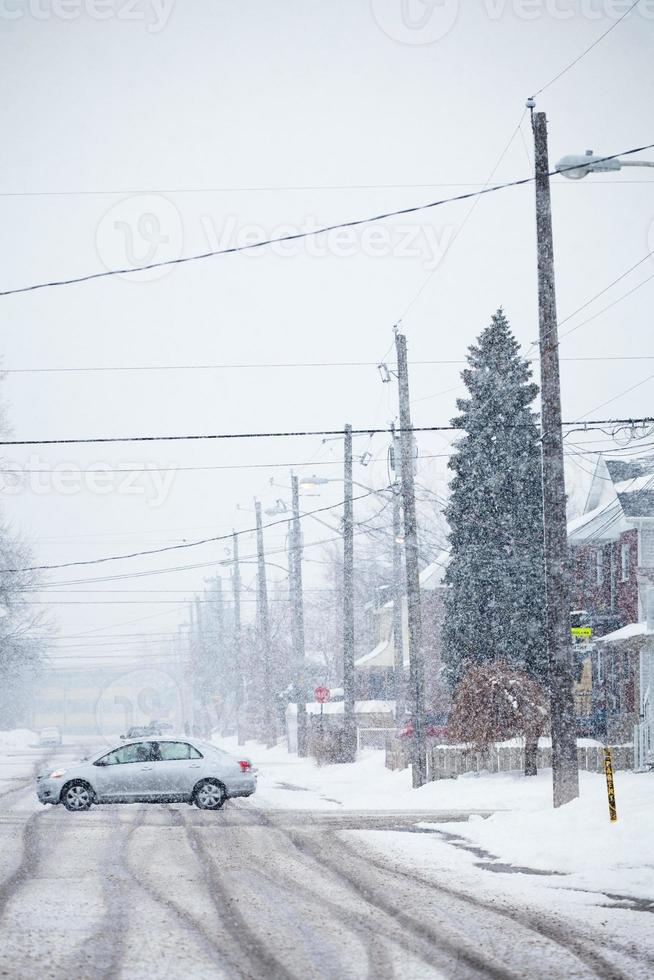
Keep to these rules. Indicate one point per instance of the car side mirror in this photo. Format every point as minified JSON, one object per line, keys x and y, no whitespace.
{"x":100,"y":762}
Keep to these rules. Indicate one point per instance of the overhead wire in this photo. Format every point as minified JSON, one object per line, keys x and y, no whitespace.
{"x":296,"y":236}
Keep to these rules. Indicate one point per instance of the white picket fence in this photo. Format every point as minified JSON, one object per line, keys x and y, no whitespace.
{"x":450,"y":761}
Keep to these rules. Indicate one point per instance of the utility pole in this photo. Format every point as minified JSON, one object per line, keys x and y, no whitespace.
{"x":264,"y":637}
{"x":238,"y":639}
{"x":203,"y":670}
{"x":565,"y":771}
{"x":349,"y":719}
{"x":295,"y":568}
{"x":416,"y":664}
{"x":398,"y":632}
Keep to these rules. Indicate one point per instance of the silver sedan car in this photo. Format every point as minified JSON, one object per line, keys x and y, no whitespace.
{"x":152,"y":770}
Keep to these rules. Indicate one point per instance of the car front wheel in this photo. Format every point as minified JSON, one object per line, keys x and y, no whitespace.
{"x":77,"y":796}
{"x":209,"y":795}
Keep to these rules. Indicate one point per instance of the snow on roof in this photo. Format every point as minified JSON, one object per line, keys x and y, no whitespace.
{"x":621,"y":471}
{"x":636,"y":484}
{"x":606,"y":522}
{"x":625,"y":633}
{"x":336,"y":707}
{"x":638,"y":503}
{"x":373,"y":655}
{"x":432,"y":577}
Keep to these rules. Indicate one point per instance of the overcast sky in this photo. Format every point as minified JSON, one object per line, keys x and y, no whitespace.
{"x":166,"y":129}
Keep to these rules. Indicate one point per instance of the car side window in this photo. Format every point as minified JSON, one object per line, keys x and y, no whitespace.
{"x":172,"y":751}
{"x":136,"y":752}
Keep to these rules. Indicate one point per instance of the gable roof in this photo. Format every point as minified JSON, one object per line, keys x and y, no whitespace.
{"x":621,"y":492}
{"x":620,"y":470}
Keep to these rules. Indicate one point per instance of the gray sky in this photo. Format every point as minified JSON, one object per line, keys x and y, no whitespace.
{"x":179,"y":127}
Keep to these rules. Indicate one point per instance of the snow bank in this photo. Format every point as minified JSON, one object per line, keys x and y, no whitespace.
{"x":579,"y":838}
{"x":18,"y":738}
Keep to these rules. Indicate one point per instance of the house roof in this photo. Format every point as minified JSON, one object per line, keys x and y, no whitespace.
{"x":433,"y":576}
{"x":625,"y":633}
{"x":376,"y":654}
{"x":638,"y":503}
{"x":604,"y":523}
{"x":620,"y":470}
{"x":621,"y":492}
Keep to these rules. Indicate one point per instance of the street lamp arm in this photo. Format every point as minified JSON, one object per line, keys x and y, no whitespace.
{"x":578,"y":166}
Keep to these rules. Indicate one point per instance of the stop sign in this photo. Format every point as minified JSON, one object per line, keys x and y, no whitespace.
{"x":322,"y":694}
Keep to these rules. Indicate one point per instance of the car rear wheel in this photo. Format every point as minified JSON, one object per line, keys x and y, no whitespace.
{"x":77,"y":796}
{"x":209,"y":795}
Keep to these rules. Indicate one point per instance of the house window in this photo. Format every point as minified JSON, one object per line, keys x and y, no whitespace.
{"x":599,"y":566}
{"x":624,"y":559}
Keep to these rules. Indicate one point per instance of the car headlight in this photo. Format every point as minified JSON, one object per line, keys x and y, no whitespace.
{"x":57,"y":774}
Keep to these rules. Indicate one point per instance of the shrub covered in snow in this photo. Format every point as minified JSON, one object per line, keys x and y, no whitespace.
{"x":494,"y":702}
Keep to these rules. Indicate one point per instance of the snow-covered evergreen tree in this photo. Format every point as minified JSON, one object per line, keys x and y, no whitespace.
{"x":495,"y":607}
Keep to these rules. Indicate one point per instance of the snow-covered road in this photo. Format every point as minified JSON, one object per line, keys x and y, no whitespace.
{"x":261,"y":892}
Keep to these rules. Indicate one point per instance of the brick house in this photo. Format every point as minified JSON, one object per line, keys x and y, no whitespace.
{"x":612,"y":552}
{"x":374,"y":670}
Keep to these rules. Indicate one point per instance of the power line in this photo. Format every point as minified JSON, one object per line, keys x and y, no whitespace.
{"x":112,"y":192}
{"x":268,"y":435}
{"x":325,"y":229}
{"x":466,"y":218}
{"x":589,"y":48}
{"x":583,"y":323}
{"x":184,"y":545}
{"x":304,"y":364}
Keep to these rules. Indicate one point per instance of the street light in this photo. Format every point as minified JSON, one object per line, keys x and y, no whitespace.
{"x":576,"y":167}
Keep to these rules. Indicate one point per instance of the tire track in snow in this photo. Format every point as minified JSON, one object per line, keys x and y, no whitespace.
{"x":537,"y":922}
{"x":456,"y":946}
{"x":265,"y":963}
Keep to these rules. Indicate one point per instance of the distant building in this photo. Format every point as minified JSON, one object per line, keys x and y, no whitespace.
{"x":104,"y":700}
{"x":374,"y":670}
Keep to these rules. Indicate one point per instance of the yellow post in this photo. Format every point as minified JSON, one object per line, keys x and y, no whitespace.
{"x":608,"y":771}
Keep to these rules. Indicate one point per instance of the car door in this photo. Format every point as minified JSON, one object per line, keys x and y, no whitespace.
{"x":178,"y":768}
{"x":127,"y":773}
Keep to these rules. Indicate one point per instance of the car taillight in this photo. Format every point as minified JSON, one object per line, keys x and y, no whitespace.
{"x":245,"y":765}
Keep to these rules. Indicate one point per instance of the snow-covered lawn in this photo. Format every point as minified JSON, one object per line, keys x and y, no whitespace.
{"x":577,"y":841}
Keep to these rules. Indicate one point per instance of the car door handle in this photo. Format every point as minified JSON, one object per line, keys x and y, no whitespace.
{"x":195,"y":765}
{"x":146,"y":768}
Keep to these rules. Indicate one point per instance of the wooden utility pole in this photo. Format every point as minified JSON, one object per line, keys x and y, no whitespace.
{"x":349,"y":719}
{"x":416,"y":664}
{"x":398,"y":591}
{"x":565,"y":771}
{"x":295,"y":568}
{"x":267,"y":693}
{"x":238,"y":640}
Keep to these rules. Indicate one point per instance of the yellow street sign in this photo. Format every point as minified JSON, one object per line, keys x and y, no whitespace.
{"x":581,"y":630}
